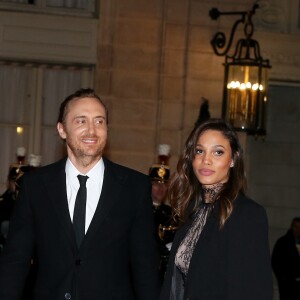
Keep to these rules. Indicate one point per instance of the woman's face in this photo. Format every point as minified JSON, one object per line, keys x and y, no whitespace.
{"x":213,"y":158}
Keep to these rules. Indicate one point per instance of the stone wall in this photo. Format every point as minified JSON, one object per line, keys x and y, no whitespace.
{"x":155,"y":65}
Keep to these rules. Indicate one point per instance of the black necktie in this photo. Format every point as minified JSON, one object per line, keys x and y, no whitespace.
{"x":79,"y":210}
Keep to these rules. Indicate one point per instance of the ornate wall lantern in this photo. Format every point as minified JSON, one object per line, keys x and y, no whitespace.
{"x":246,"y":76}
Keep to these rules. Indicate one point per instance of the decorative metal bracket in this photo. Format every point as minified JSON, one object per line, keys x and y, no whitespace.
{"x":219,"y":40}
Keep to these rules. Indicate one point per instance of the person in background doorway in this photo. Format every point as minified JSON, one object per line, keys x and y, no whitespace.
{"x":221,"y":251}
{"x":159,"y":174}
{"x":7,"y":201}
{"x":164,"y":222}
{"x":286,"y":262}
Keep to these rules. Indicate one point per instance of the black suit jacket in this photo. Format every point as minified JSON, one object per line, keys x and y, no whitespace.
{"x":118,"y":257}
{"x":232,"y":263}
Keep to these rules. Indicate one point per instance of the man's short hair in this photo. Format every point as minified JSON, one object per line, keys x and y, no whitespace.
{"x":82,"y":93}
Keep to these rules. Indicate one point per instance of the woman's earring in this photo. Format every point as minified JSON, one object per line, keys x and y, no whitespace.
{"x":232,"y":165}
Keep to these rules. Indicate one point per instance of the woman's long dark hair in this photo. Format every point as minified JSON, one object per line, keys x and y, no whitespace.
{"x":184,"y":187}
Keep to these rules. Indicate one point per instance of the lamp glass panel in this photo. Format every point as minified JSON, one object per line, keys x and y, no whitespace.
{"x":246,"y":91}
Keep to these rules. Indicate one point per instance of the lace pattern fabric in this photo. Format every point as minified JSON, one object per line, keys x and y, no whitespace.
{"x":187,"y":246}
{"x":210,"y":192}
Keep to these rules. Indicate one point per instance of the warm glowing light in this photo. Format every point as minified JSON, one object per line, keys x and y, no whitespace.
{"x":245,"y":85}
{"x":20,"y":130}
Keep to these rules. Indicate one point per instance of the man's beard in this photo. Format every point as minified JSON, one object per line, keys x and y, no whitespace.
{"x":87,"y":159}
{"x":81,"y":154}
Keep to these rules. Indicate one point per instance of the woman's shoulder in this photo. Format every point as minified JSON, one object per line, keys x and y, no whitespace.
{"x":247,"y":215}
{"x":245,"y":205}
{"x":243,"y":200}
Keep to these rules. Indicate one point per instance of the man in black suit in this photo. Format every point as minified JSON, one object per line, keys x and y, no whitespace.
{"x":109,"y":254}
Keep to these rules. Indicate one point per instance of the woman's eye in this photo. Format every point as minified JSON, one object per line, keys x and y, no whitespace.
{"x":219,"y":152}
{"x":199,"y":151}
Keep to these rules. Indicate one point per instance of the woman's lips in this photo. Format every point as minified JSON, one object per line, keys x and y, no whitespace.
{"x":206,"y":172}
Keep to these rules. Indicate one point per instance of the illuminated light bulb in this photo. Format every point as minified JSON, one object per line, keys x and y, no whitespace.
{"x":231,"y":85}
{"x":255,"y":86}
{"x":261,"y":87}
{"x":243,"y":86}
{"x":248,"y":85}
{"x":237,"y":84}
{"x":20,"y":130}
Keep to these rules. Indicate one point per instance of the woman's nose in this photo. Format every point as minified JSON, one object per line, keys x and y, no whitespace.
{"x":206,"y":159}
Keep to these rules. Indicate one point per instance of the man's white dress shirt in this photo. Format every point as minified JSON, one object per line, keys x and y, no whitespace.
{"x":93,"y":185}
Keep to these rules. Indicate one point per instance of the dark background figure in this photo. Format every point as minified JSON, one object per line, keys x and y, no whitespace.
{"x":204,"y":113}
{"x":7,"y":202}
{"x":286,"y":262}
{"x":162,"y":212}
{"x":7,"y":199}
{"x":164,"y":223}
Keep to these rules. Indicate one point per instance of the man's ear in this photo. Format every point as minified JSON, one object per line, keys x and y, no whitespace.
{"x":61,"y":130}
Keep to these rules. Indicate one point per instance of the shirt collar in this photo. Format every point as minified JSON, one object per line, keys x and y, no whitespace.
{"x":94,"y":174}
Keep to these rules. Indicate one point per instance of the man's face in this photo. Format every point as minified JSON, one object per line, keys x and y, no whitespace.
{"x":159,"y":191}
{"x":85,"y":131}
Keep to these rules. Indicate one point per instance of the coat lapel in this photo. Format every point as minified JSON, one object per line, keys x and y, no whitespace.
{"x":110,"y":194}
{"x":56,"y":191}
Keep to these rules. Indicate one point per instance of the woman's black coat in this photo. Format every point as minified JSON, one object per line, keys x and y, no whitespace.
{"x":232,"y":263}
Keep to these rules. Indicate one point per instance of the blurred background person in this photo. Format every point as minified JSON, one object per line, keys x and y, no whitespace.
{"x":286,"y":262}
{"x":221,"y":251}
{"x":7,"y":199}
{"x":7,"y":202}
{"x":162,"y":211}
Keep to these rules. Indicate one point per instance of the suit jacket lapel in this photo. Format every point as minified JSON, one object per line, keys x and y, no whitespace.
{"x":56,"y":191}
{"x":111,"y":189}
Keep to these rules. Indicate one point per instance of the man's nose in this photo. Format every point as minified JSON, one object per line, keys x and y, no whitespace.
{"x":90,"y":127}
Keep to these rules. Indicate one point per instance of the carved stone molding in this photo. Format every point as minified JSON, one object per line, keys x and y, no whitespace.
{"x":272,"y":16}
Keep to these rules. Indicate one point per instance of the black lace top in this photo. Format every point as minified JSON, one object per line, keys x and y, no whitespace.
{"x":187,"y":245}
